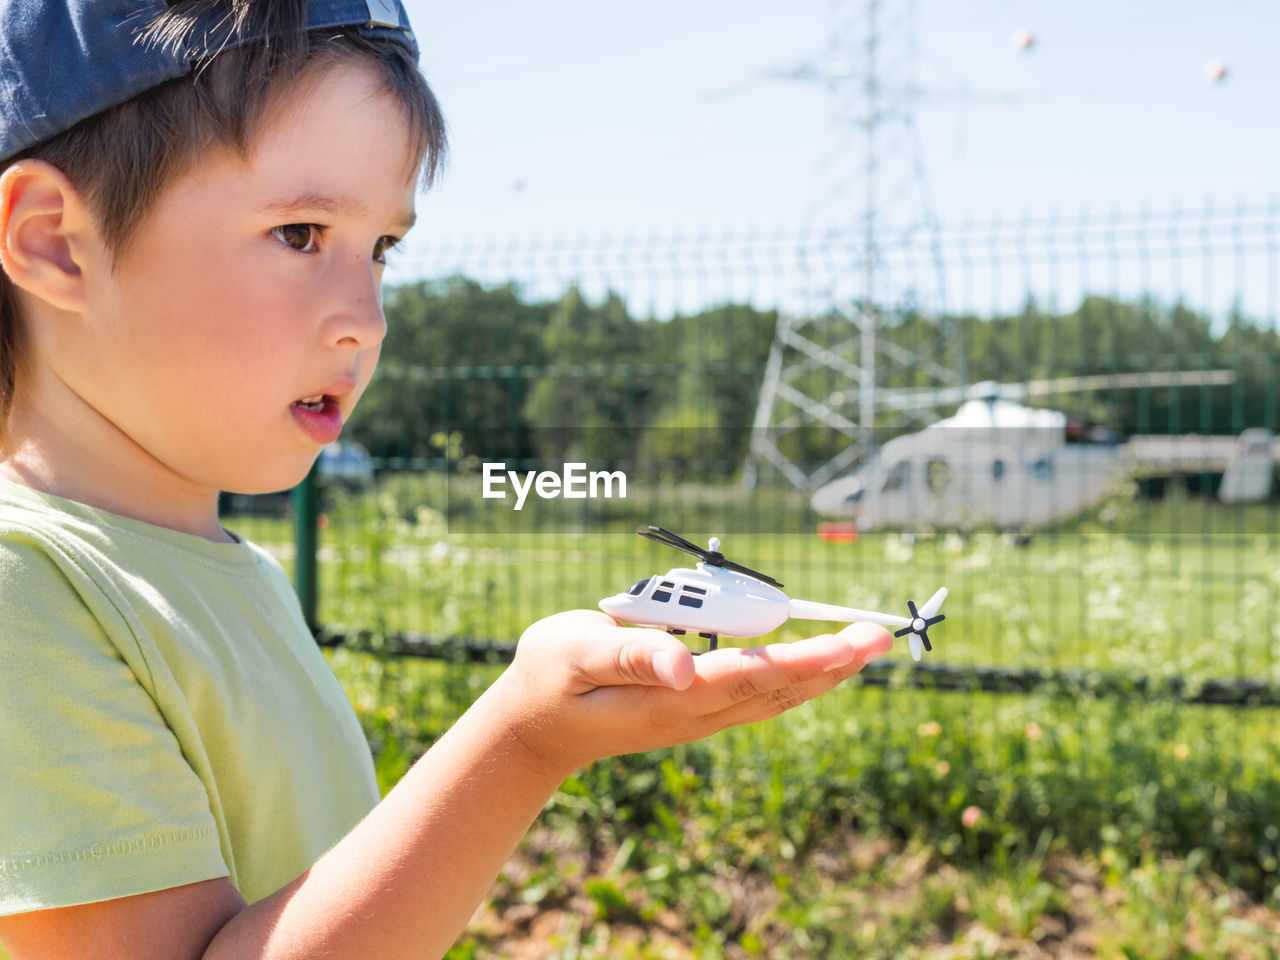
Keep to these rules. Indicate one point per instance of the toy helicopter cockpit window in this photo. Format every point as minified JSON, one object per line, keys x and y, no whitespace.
{"x":691,"y":596}
{"x":638,"y":589}
{"x":662,"y":596}
{"x":898,"y":477}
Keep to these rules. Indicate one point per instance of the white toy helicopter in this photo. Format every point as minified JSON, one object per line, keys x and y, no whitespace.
{"x":725,"y":599}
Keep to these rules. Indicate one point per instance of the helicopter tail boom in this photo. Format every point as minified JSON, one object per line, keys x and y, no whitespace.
{"x":808,"y":610}
{"x":915,"y":628}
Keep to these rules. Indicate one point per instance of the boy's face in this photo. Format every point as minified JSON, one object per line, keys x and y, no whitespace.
{"x":245,"y":316}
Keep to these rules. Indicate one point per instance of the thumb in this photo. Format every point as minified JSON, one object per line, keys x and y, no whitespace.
{"x":673,"y":666}
{"x":638,"y":655}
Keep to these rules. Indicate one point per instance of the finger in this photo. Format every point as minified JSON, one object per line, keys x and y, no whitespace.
{"x":867,"y":641}
{"x":730,"y":675}
{"x":771,"y":704}
{"x":870,"y":640}
{"x":618,"y":655}
{"x":766,"y":706}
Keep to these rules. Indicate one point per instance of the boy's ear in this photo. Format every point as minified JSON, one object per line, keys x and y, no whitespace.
{"x":45,"y":232}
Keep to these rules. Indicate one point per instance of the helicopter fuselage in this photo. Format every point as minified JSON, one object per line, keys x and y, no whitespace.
{"x":722,"y":598}
{"x":709,"y":600}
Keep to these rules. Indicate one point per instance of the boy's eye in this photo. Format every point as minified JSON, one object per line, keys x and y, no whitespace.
{"x":298,"y":236}
{"x":305,"y":238}
{"x":383,"y":245}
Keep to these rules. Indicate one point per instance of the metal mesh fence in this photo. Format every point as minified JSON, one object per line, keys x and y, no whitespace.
{"x":1109,"y":551}
{"x":645,"y":357}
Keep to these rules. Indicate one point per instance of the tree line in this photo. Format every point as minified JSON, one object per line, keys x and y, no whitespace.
{"x":478,"y":370}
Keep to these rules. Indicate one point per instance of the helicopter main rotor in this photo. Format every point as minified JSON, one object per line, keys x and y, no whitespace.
{"x":710,"y":556}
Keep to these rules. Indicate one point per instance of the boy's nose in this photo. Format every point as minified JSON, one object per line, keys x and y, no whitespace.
{"x":356,"y":318}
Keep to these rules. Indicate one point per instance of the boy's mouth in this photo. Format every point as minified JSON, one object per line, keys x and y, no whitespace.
{"x":315,"y":404}
{"x":320,"y":417}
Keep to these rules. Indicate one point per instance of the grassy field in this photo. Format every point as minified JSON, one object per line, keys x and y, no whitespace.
{"x":875,"y":822}
{"x":884,"y":823}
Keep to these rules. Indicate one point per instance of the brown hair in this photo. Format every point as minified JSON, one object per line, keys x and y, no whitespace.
{"x":121,"y":159}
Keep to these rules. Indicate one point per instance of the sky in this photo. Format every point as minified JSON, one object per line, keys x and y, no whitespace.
{"x":572,"y":119}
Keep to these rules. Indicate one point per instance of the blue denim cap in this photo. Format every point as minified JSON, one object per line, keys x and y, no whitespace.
{"x":62,"y":61}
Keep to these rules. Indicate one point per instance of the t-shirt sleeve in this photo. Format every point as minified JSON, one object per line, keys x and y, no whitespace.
{"x":96,"y":799}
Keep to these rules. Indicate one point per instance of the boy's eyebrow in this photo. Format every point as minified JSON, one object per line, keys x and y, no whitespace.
{"x":311,"y":202}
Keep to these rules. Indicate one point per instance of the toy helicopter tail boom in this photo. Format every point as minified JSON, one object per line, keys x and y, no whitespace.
{"x":808,"y":610}
{"x":914,"y":628}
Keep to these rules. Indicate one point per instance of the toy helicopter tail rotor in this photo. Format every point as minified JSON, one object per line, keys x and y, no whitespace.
{"x":917,"y":632}
{"x":712,"y":556}
{"x":934,"y":603}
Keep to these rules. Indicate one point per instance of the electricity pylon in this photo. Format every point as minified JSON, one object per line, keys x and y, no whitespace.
{"x":871,"y":319}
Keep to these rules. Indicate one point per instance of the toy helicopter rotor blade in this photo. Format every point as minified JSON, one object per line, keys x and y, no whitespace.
{"x":913,"y":641}
{"x":934,"y":603}
{"x":730,"y":565}
{"x":808,"y":610}
{"x":654,"y":532}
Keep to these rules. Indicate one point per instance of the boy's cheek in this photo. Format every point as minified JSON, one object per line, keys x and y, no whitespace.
{"x":364,"y":375}
{"x":368,"y":366}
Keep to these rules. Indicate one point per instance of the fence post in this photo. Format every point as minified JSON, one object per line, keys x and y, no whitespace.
{"x":306,"y":511}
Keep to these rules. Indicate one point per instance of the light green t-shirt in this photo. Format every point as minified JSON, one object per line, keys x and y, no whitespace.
{"x":165,"y":716}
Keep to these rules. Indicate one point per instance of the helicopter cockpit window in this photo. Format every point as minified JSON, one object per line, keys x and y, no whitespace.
{"x":899,"y":476}
{"x":638,"y":589}
{"x":937,"y":474}
{"x":691,"y":596}
{"x":662,"y":596}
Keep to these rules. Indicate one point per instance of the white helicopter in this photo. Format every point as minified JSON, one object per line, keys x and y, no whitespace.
{"x":725,"y":599}
{"x":996,"y":462}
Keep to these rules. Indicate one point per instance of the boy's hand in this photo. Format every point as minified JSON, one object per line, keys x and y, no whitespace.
{"x":582,"y":687}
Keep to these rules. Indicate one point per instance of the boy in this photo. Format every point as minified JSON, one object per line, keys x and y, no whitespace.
{"x":195,"y":202}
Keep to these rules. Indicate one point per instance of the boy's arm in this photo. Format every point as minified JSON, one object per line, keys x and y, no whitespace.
{"x":407,"y":879}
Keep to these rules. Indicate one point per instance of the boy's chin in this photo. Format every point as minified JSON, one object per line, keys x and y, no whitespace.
{"x":281,"y":482}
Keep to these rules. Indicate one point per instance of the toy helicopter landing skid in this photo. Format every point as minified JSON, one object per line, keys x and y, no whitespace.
{"x":725,"y":599}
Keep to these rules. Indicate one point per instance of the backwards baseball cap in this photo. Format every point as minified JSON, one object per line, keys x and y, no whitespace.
{"x":63,"y":61}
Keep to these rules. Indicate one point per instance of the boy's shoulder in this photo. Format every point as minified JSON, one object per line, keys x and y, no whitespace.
{"x":50,"y":593}
{"x":31,"y":538}
{"x":53,"y":546}
{"x":28,"y":514}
